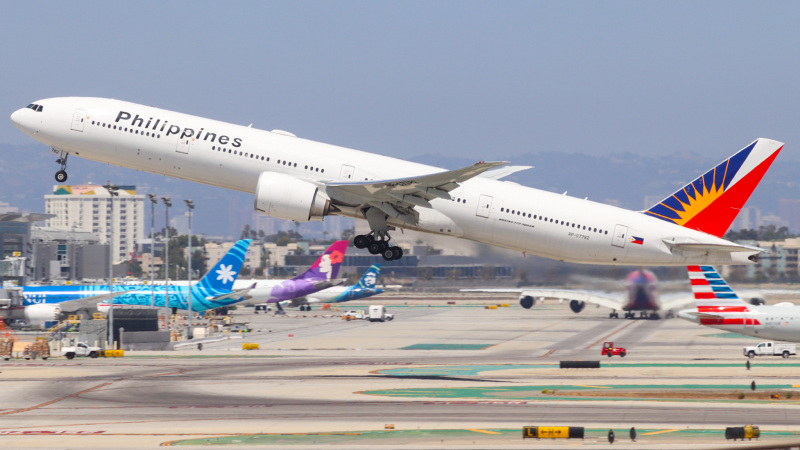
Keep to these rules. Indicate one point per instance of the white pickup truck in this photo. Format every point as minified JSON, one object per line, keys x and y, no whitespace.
{"x":80,"y":349}
{"x":771,"y":349}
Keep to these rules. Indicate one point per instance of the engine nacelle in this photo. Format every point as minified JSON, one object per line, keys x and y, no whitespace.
{"x":527,"y":301}
{"x":286,"y":197}
{"x":37,"y":315}
{"x":576,"y":306}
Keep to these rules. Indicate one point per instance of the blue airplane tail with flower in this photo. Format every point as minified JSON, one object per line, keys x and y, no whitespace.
{"x":221,"y":277}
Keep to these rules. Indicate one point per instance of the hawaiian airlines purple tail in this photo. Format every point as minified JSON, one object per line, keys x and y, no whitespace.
{"x":326,"y":267}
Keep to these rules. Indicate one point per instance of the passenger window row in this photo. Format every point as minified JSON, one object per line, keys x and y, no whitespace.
{"x":125,"y":129}
{"x":262,"y":158}
{"x":551,"y":220}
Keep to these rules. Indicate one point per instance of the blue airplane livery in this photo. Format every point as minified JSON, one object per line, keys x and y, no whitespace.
{"x":47,"y":303}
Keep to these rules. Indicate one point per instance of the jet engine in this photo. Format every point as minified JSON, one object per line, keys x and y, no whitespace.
{"x":576,"y":306}
{"x":286,"y":197}
{"x":527,"y":301}
{"x":38,"y":314}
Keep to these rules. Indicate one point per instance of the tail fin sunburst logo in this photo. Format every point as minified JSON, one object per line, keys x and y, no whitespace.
{"x":711,"y":202}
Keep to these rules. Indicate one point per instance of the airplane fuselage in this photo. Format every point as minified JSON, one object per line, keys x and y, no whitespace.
{"x":781,"y":323}
{"x":481,"y":209}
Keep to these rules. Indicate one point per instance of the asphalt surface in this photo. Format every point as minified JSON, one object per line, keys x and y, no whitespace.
{"x":319,"y":380}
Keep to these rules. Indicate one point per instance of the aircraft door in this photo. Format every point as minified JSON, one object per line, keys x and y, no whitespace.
{"x":183,"y":145}
{"x":484,"y":206}
{"x":347,"y":172}
{"x":620,"y":236}
{"x":78,"y":120}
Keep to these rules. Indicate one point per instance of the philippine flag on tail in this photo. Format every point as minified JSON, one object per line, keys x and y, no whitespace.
{"x":637,"y":240}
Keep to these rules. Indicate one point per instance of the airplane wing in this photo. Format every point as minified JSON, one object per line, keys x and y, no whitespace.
{"x":87,"y":303}
{"x":398,"y":197}
{"x":607,"y":299}
{"x":502,"y":172}
{"x":680,"y":301}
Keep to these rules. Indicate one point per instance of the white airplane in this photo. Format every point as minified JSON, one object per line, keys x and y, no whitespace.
{"x":301,"y":180}
{"x":718,"y":306}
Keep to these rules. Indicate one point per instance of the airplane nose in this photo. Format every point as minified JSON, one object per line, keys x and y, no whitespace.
{"x":15,"y":117}
{"x":23,"y":120}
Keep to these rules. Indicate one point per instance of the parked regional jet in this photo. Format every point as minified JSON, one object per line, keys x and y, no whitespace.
{"x":297,"y":179}
{"x":47,"y":303}
{"x":338,"y":294}
{"x":718,"y":306}
{"x":640,"y":294}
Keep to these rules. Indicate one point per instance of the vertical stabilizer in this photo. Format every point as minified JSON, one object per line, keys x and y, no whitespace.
{"x":711,"y":202}
{"x":711,"y":293}
{"x":326,"y":267}
{"x":221,"y":277}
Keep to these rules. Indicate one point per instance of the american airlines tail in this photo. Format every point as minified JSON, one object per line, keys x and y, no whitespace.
{"x":326,"y":267}
{"x":719,"y":307}
{"x":711,"y":202}
{"x":712,"y":294}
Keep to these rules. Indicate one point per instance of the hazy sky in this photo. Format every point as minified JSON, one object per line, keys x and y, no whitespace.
{"x":476,"y":79}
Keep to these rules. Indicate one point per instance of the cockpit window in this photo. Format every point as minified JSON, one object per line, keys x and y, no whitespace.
{"x":35,"y":107}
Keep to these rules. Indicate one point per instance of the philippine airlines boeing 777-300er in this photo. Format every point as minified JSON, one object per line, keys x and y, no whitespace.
{"x":301,"y":180}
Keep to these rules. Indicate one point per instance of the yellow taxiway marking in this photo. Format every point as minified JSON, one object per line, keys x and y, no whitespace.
{"x":590,"y":386}
{"x":483,"y":431}
{"x":660,"y":432}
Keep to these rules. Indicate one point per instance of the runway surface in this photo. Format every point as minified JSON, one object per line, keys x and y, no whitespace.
{"x":317,"y":379}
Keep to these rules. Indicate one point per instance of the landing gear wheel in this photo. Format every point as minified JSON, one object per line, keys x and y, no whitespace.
{"x":61,"y":176}
{"x":377,"y":247}
{"x":392,"y":253}
{"x":362,"y":241}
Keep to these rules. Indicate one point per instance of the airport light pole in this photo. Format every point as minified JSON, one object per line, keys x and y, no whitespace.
{"x":112,"y":192}
{"x":189,"y":334}
{"x":167,"y":202}
{"x":153,"y":201}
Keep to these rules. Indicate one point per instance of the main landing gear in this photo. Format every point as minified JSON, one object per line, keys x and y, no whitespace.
{"x":61,"y":175}
{"x":379,"y":246}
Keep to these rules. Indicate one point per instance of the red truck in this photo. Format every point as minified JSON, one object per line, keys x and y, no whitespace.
{"x":610,"y":350}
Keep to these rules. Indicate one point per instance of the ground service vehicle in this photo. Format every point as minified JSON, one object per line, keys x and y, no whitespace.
{"x":354,"y":315}
{"x":771,"y":349}
{"x":377,"y":313}
{"x":610,"y":350}
{"x":80,"y":349}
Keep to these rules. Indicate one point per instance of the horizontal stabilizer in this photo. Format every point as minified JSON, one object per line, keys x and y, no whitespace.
{"x":711,"y":247}
{"x":237,"y":294}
